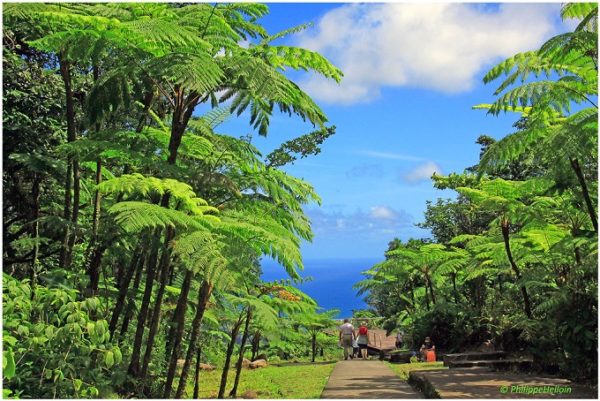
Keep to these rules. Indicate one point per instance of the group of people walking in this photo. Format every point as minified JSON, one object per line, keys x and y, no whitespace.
{"x":351,"y":339}
{"x":355,"y":342}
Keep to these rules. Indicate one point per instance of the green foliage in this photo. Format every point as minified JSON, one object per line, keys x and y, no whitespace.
{"x":304,"y":145}
{"x":51,"y":338}
{"x":112,"y":237}
{"x":285,"y":380}
{"x":514,"y":257}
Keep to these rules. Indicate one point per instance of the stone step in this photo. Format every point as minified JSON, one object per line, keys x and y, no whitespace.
{"x":498,"y":364}
{"x":400,"y":356}
{"x":473,"y":356}
{"x":484,"y":383}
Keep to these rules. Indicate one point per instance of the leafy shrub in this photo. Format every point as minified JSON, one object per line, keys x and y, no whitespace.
{"x":59,"y":350}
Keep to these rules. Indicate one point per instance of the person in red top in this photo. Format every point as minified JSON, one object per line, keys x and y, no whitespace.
{"x":363,"y":339}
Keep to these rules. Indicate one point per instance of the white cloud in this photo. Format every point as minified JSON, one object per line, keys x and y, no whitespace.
{"x":383,"y":213}
{"x":374,"y":222}
{"x":436,"y":46}
{"x":422,"y":172}
{"x":389,"y":155}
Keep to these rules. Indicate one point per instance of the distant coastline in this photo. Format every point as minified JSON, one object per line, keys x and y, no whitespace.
{"x":333,"y":281}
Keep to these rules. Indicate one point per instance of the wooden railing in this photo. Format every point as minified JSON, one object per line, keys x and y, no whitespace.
{"x":374,"y":339}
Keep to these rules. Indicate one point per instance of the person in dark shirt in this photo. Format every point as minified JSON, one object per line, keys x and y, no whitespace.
{"x":399,"y":339}
{"x":427,"y":346}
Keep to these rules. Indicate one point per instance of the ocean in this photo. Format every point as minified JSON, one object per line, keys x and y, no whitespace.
{"x":332,"y":281}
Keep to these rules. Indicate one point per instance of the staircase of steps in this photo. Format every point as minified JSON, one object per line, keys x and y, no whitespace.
{"x":495,"y":360}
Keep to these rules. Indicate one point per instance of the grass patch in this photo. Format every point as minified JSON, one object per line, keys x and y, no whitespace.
{"x":285,"y":381}
{"x":403,"y":369}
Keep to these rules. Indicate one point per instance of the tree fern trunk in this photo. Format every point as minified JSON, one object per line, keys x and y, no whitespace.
{"x":124,"y":288}
{"x":255,"y":344}
{"x":430,"y":285}
{"x":197,"y":376}
{"x":454,"y":287}
{"x":586,"y":194}
{"x":66,"y":215}
{"x":203,"y":297}
{"x":505,"y":235}
{"x":65,"y":70}
{"x":238,"y":365}
{"x":131,"y":302}
{"x":165,"y":266}
{"x":234,"y":333}
{"x":65,"y":73}
{"x":94,"y":269}
{"x":75,"y":213}
{"x":175,"y":336}
{"x":35,"y":230}
{"x":314,"y":346}
{"x":97,"y":200}
{"x":97,"y":196}
{"x":134,"y":365}
{"x":181,"y":116}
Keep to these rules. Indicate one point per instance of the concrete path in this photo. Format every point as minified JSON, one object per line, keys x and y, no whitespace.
{"x":366,"y":379}
{"x":482,"y":383}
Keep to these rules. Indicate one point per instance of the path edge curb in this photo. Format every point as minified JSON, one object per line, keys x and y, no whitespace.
{"x":420,"y":382}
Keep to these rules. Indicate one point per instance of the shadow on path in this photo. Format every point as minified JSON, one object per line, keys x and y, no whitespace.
{"x":366,"y":379}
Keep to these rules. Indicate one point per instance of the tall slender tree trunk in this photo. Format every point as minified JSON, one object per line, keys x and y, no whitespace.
{"x":134,"y":365}
{"x":165,"y":266}
{"x":586,"y":194}
{"x":505,"y":234}
{"x":314,"y":346}
{"x":135,"y":262}
{"x":453,"y":275}
{"x":97,"y":200}
{"x":75,"y":213}
{"x":203,"y":297}
{"x":430,"y":285}
{"x":94,"y":269}
{"x":197,"y":377}
{"x":131,"y":302}
{"x":239,"y":363}
{"x":255,"y":344}
{"x":67,"y":213}
{"x":92,"y":251}
{"x":175,"y":336}
{"x":35,"y":230}
{"x":234,"y":333}
{"x":65,"y":72}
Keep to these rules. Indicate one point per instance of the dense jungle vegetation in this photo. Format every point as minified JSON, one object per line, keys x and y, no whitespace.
{"x":513,"y":259}
{"x":133,"y":227}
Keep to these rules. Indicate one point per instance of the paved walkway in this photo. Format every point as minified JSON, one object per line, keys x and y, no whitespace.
{"x":482,"y":383}
{"x":366,"y":379}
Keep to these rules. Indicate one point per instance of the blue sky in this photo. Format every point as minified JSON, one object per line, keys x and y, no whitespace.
{"x":403,"y":110}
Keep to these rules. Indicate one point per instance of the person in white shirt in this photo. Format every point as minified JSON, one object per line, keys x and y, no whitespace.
{"x":346,"y":337}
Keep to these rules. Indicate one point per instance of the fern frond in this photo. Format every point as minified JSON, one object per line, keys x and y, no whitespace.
{"x":135,"y":216}
{"x":577,"y":10}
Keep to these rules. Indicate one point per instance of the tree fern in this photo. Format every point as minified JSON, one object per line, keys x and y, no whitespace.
{"x":135,"y":216}
{"x":577,"y":10}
